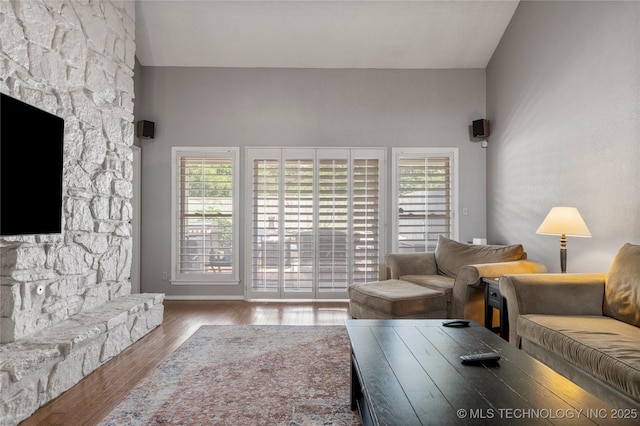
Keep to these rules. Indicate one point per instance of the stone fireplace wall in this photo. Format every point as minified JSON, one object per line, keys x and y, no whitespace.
{"x":66,"y":306}
{"x":74,"y":59}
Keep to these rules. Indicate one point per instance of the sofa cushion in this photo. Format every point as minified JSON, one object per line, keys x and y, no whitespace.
{"x":436,"y":282}
{"x":452,"y":255}
{"x":398,"y":298}
{"x":603,"y":347}
{"x":622,"y":286}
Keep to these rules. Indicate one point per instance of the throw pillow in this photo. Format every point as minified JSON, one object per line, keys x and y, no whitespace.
{"x":622,"y":286}
{"x":452,"y":255}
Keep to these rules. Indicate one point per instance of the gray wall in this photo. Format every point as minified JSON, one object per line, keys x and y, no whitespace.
{"x":563,"y":97}
{"x":137,"y":83}
{"x":286,"y":107}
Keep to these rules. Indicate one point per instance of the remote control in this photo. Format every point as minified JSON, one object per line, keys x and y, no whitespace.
{"x":456,"y":323}
{"x":486,"y":357}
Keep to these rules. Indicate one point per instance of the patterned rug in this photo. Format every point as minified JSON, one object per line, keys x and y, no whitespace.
{"x":247,"y":375}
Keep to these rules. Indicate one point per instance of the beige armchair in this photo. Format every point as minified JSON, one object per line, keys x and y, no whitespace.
{"x":456,"y":269}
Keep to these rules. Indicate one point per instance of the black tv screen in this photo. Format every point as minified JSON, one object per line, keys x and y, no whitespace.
{"x":31,"y":155}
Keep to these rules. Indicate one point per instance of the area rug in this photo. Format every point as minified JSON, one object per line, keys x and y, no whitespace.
{"x":247,"y":375}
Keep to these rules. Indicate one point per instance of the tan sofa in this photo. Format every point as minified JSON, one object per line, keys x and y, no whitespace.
{"x":584,"y":326}
{"x":454,"y":270}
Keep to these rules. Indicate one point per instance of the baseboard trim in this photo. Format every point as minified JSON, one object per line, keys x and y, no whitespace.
{"x":297,"y":300}
{"x":169,"y":297}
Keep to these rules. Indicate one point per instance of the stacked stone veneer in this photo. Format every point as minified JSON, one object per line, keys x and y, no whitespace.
{"x":38,"y":368}
{"x":65,"y":302}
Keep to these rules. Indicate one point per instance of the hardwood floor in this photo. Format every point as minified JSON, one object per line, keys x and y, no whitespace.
{"x":97,"y":394}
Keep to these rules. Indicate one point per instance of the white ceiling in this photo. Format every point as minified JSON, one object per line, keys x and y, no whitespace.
{"x":320,"y":34}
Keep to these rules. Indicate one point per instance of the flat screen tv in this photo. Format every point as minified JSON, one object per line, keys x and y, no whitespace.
{"x":31,"y":155}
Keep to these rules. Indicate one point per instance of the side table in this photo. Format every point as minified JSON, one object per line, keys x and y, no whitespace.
{"x":494,"y":300}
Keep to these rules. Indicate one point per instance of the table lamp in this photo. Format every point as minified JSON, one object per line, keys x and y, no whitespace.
{"x":564,"y":221}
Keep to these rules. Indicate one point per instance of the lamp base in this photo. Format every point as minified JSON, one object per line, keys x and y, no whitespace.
{"x":563,"y":254}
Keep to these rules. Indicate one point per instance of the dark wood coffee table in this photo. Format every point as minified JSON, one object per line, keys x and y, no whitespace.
{"x":408,"y":372}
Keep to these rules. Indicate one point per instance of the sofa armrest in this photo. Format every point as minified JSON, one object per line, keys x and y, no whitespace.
{"x":471,"y":275}
{"x":410,"y":264}
{"x":551,"y":294}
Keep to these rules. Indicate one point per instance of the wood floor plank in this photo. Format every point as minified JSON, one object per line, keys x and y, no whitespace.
{"x":97,"y":394}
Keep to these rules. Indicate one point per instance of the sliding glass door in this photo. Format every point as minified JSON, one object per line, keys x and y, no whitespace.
{"x":315,"y":221}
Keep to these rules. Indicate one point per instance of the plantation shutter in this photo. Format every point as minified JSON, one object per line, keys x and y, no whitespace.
{"x":299,"y":236}
{"x":366,"y":219}
{"x":315,"y":226}
{"x":205,"y":215}
{"x":424,"y":202}
{"x":333,"y":226}
{"x":265,"y":252}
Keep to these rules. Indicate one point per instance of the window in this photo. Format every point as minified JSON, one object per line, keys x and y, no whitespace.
{"x":315,"y":221}
{"x":204,"y":206}
{"x":425,"y":198}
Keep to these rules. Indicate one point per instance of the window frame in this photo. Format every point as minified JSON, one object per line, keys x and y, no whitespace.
{"x":177,"y":277}
{"x":396,"y":155}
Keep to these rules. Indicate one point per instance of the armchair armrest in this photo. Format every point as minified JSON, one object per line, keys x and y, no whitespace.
{"x":410,"y":264}
{"x":471,"y":276}
{"x":551,"y":294}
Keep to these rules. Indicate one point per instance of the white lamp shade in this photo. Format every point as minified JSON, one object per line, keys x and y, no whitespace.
{"x":564,"y":220}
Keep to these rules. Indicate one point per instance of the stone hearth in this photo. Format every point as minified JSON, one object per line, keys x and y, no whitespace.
{"x":38,"y":368}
